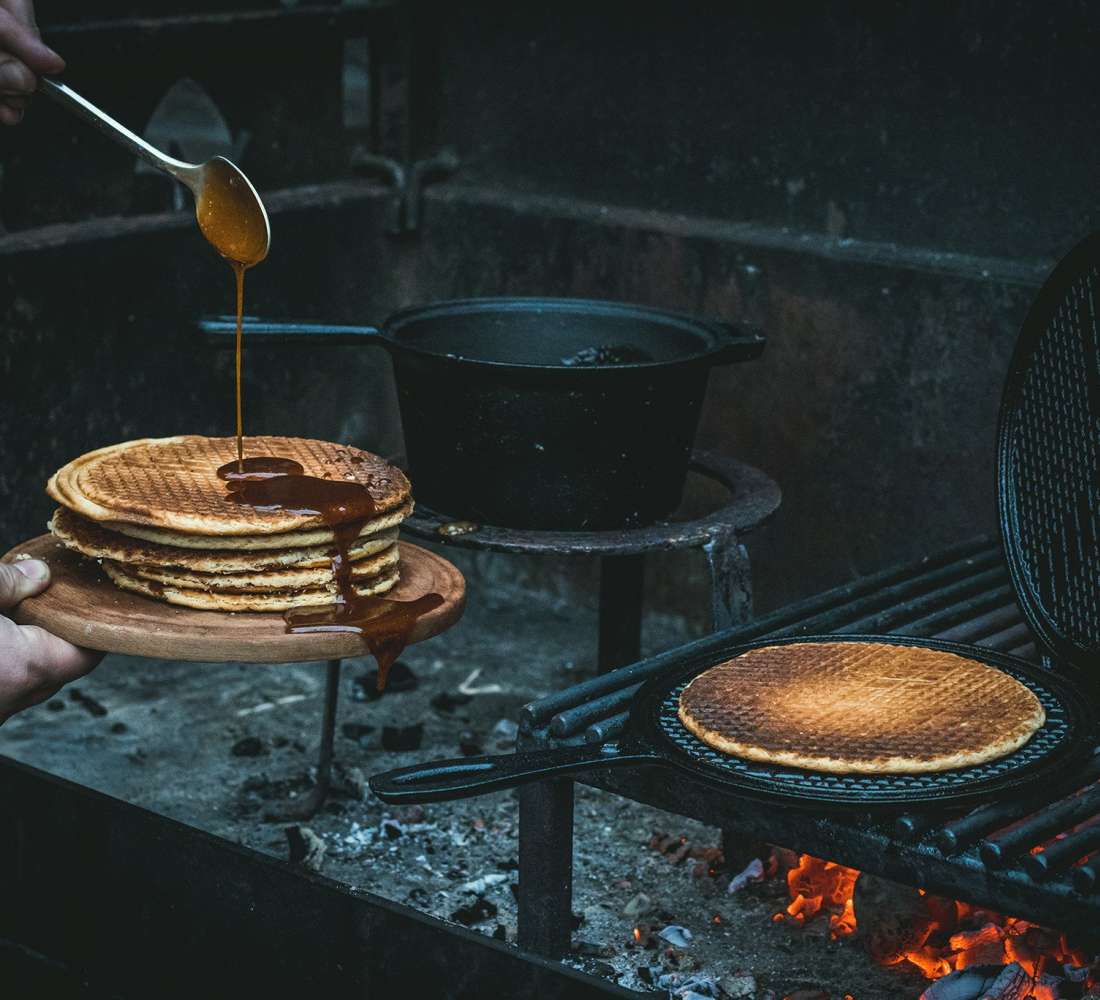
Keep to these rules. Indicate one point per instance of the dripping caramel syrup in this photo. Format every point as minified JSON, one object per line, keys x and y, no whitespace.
{"x":227,"y":219}
{"x":227,"y":216}
{"x":272,"y":483}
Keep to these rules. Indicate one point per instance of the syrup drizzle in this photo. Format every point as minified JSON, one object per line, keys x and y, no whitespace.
{"x":270,"y":483}
{"x":227,"y":217}
{"x":238,"y":271}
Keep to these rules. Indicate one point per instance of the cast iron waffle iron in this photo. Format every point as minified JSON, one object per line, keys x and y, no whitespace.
{"x":1049,"y":492}
{"x":655,"y":735}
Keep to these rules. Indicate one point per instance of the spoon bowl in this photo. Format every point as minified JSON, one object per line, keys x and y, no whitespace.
{"x":229,"y":211}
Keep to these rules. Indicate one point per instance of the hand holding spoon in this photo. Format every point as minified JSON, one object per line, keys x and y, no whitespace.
{"x":230,"y":213}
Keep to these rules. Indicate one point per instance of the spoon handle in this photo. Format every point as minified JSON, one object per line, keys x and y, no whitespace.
{"x":188,"y":173}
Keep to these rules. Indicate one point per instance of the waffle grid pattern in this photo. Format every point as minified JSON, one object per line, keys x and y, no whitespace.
{"x":796,"y":699}
{"x":1054,"y":475}
{"x":1050,"y":738}
{"x":171,"y":483}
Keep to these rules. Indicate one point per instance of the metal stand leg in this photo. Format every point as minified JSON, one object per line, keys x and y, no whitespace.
{"x":307,"y":806}
{"x":621,"y":582}
{"x":730,"y":580}
{"x":731,"y":604}
{"x":546,"y":867}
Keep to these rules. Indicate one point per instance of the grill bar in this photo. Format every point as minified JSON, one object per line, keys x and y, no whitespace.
{"x":1061,"y":854}
{"x":963,"y":601}
{"x":984,"y":626}
{"x":1051,"y":820}
{"x":838,"y":606}
{"x":573,"y":720}
{"x":1087,"y":877}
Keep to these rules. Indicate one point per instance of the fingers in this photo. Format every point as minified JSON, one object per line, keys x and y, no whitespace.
{"x":53,"y":662}
{"x":34,"y":665}
{"x":16,"y":77}
{"x":10,"y":115}
{"x":20,"y":38}
{"x":25,"y":577}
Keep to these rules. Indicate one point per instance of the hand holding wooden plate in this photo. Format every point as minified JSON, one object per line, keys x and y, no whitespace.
{"x":84,"y":607}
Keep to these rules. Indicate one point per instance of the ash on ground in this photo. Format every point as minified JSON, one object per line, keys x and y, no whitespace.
{"x":220,"y":746}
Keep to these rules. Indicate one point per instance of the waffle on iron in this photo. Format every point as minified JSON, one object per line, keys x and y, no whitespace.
{"x":868,"y":708}
{"x":157,"y":517}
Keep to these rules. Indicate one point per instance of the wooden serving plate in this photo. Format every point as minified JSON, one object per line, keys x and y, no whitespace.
{"x":84,"y":607}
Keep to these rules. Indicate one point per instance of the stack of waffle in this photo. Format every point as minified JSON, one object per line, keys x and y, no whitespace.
{"x":156,"y":516}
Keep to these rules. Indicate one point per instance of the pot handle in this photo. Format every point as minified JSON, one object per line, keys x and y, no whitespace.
{"x":221,"y":331}
{"x":463,"y":777}
{"x":735,"y":342}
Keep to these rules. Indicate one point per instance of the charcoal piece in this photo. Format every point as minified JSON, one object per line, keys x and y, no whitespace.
{"x":501,"y":932}
{"x":398,"y":738}
{"x":476,"y":912}
{"x":966,"y":984}
{"x":119,"y":728}
{"x":604,"y":969}
{"x":304,"y":847}
{"x":392,"y":828}
{"x":447,"y":701}
{"x":55,"y":705}
{"x":508,"y":865}
{"x":504,"y":734}
{"x":638,"y":906}
{"x":87,"y":702}
{"x":248,"y":746}
{"x":399,"y":680}
{"x":356,"y":732}
{"x":469,"y":743}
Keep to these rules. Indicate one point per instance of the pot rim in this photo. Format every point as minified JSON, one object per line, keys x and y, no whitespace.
{"x":724,"y":337}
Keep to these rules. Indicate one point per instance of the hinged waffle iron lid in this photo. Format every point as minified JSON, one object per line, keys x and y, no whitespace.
{"x":1048,"y":463}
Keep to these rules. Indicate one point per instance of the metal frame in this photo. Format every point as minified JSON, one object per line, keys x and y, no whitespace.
{"x":754,"y":497}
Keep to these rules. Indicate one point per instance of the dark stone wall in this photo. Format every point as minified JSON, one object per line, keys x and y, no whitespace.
{"x":963,"y":126}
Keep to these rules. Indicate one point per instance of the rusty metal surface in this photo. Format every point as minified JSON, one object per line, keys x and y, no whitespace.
{"x":753,"y":498}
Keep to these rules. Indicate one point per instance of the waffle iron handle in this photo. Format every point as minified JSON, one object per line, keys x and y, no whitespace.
{"x":464,"y":777}
{"x":221,"y":331}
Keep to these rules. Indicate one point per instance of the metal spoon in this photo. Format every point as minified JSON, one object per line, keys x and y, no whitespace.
{"x":229,"y":211}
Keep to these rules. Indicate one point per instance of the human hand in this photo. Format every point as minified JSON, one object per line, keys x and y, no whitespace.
{"x":23,"y":56}
{"x":34,"y":665}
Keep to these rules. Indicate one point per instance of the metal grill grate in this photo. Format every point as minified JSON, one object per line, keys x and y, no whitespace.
{"x":1051,"y":460}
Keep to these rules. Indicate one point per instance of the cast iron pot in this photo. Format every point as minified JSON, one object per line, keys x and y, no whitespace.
{"x":508,"y":422}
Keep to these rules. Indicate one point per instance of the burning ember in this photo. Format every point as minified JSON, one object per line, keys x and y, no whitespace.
{"x":938,"y":936}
